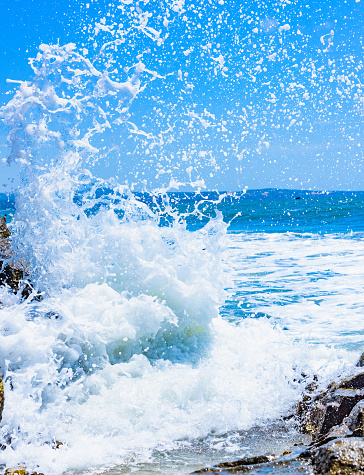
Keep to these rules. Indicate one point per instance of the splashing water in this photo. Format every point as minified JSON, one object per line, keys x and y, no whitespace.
{"x":126,"y":352}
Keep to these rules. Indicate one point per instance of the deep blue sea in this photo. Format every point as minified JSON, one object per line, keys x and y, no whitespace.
{"x":266,"y":210}
{"x":174,"y":329}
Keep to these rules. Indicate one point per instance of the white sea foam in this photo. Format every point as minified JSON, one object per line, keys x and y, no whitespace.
{"x":311,"y":284}
{"x":62,"y":386}
{"x":117,"y":367}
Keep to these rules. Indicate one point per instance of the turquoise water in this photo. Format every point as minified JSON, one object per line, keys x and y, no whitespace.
{"x":7,"y":205}
{"x":264,"y":211}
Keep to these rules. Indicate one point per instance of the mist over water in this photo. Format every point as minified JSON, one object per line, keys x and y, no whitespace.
{"x":129,"y":355}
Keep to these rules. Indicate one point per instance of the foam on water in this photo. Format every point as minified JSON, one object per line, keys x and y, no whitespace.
{"x":129,"y":354}
{"x":86,"y":379}
{"x":311,"y":283}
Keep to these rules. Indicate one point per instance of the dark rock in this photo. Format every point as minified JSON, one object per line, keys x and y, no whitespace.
{"x":264,"y":464}
{"x":4,"y":235}
{"x":355,"y":421}
{"x":360,"y":363}
{"x":335,"y":421}
{"x":330,"y":408}
{"x":340,"y":457}
{"x":351,"y":426}
{"x":2,"y":397}
{"x":12,"y":274}
{"x":239,"y":466}
{"x":356,"y":382}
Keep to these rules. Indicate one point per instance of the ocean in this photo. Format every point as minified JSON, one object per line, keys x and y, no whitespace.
{"x":177,"y":331}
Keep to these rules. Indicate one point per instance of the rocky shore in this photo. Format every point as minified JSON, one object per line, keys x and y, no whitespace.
{"x":334,"y":419}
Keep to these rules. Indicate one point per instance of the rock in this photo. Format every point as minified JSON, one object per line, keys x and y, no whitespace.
{"x":11,"y":276}
{"x":239,"y":466}
{"x":2,"y":397}
{"x":20,"y":470}
{"x":329,"y":409}
{"x":12,"y":273}
{"x":340,"y":457}
{"x":360,"y":363}
{"x":4,"y":234}
{"x":57,"y":444}
{"x":335,"y":421}
{"x":290,"y":460}
{"x":355,"y":420}
{"x":9,"y":273}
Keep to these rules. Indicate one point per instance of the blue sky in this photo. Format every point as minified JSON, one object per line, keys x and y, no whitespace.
{"x":257,"y":94}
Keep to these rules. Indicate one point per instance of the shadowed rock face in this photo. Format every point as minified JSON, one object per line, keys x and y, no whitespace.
{"x":337,"y":412}
{"x":9,"y":274}
{"x":12,"y":273}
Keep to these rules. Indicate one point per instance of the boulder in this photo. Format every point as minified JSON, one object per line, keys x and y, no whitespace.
{"x":336,"y":411}
{"x":339,"y":457}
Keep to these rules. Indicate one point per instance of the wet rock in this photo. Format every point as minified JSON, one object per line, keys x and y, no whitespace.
{"x":2,"y":398}
{"x":328,"y":410}
{"x":355,"y":421}
{"x":20,"y":470}
{"x":239,"y":466}
{"x":12,"y":274}
{"x":340,"y":457}
{"x":288,"y":462}
{"x":335,"y":421}
{"x":360,"y":362}
{"x":4,"y":236}
{"x":351,"y":426}
{"x":57,"y":444}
